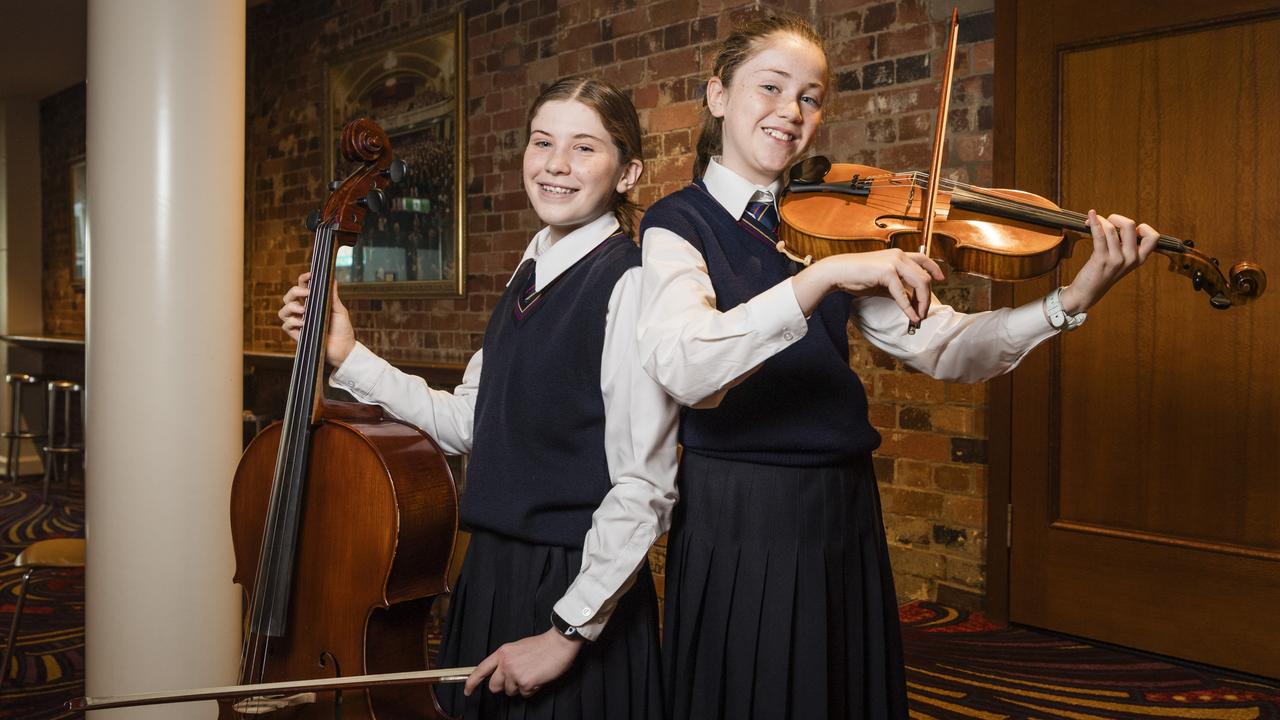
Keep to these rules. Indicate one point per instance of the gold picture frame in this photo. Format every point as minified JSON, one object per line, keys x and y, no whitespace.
{"x":414,"y":86}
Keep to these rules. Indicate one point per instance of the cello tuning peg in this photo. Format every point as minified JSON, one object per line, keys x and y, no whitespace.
{"x":376,"y":201}
{"x":396,"y":171}
{"x":313,"y":220}
{"x":334,"y":185}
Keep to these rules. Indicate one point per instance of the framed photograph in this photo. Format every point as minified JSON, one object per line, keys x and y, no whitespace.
{"x":414,"y":86}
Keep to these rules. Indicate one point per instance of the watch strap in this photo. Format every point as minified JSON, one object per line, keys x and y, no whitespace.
{"x":1057,"y":317}
{"x":563,"y":627}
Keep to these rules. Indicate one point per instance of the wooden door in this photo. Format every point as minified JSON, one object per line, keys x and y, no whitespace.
{"x":1145,"y":448}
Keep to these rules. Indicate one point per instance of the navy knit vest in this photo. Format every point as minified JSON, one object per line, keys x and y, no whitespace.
{"x":803,"y":406}
{"x":538,"y":468}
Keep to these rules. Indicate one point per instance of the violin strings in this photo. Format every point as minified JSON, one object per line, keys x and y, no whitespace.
{"x":1054,"y":216}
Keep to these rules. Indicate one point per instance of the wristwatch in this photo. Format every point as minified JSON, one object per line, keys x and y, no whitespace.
{"x":1058,"y":317}
{"x":563,"y":627}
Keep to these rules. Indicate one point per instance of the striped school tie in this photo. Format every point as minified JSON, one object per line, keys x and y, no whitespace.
{"x":761,"y":220}
{"x":529,"y":296}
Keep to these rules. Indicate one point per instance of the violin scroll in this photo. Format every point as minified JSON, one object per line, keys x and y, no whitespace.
{"x":1245,"y":281}
{"x":1248,"y":281}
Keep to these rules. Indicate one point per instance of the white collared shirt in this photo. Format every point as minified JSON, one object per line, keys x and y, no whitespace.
{"x":640,"y":429}
{"x":698,"y":352}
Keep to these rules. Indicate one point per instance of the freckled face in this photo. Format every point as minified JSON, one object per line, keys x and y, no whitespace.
{"x":572,"y":166}
{"x":772,"y":107}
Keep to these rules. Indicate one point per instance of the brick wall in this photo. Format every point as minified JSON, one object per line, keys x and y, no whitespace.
{"x":62,"y":130}
{"x":885,"y":63}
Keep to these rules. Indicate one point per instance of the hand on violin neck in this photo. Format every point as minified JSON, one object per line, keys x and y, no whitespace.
{"x":342,"y":336}
{"x":905,"y":277}
{"x":1119,"y":246}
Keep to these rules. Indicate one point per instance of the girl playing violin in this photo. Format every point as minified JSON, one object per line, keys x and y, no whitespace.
{"x":780,"y":601}
{"x":572,"y":445}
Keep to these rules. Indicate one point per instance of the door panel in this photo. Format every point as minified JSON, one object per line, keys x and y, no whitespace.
{"x":1146,"y":447}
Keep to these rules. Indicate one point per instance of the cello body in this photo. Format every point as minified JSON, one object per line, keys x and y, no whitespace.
{"x":379,"y":515}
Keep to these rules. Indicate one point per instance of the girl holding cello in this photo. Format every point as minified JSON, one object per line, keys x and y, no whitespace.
{"x":780,"y":601}
{"x":572,"y":473}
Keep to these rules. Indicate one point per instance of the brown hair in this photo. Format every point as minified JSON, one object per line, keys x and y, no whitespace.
{"x":617,"y":114}
{"x":739,"y":47}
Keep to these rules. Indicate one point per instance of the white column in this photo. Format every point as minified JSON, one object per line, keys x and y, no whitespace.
{"x":166,"y":85}
{"x":21,"y":312}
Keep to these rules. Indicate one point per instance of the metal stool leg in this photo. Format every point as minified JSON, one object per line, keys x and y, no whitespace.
{"x":13,"y":628}
{"x":15,"y":426}
{"x":57,"y":464}
{"x":66,"y":437}
{"x":51,"y":462}
{"x":50,"y":467}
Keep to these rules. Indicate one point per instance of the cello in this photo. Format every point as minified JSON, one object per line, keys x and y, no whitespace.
{"x":343,"y":523}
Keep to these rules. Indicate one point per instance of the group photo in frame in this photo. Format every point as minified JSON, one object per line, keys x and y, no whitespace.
{"x":413,"y":86}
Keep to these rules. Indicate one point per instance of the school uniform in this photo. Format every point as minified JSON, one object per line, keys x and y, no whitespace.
{"x":570,"y":481}
{"x":779,"y":596}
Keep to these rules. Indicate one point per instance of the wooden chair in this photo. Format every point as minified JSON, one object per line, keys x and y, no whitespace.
{"x":40,"y":555}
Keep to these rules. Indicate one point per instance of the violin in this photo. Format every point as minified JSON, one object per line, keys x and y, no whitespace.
{"x":343,"y":523}
{"x":1007,"y":235}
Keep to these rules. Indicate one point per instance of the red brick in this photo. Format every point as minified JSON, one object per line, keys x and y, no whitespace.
{"x":913,"y":387}
{"x":579,"y":36}
{"x":916,"y":445}
{"x":882,"y":416}
{"x":955,"y":478}
{"x":904,"y":501}
{"x":671,"y":11}
{"x":673,"y":117}
{"x":911,"y":12}
{"x":646,"y":96}
{"x":904,"y":41}
{"x":983,"y":57}
{"x":631,"y":21}
{"x":913,"y":473}
{"x":966,"y":511}
{"x":905,"y":157}
{"x":675,"y":63}
{"x":955,"y":419}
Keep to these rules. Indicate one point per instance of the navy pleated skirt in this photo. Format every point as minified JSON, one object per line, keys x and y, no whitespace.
{"x":505,"y":593}
{"x":779,"y":596}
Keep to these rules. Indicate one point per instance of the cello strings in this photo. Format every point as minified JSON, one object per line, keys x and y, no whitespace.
{"x":265,"y":590}
{"x":270,"y":531}
{"x":267,"y":585}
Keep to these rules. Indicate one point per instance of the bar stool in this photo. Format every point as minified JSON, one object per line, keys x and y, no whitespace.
{"x":16,"y":434}
{"x":40,"y":555}
{"x":60,"y":447}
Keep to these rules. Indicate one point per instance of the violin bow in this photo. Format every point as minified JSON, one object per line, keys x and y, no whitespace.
{"x":440,"y":675}
{"x":934,"y":179}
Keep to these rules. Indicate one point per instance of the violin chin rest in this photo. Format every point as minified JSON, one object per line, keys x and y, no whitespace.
{"x":811,"y":170}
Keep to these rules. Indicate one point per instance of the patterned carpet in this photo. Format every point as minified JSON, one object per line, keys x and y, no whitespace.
{"x":49,"y":659}
{"x":960,"y":665}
